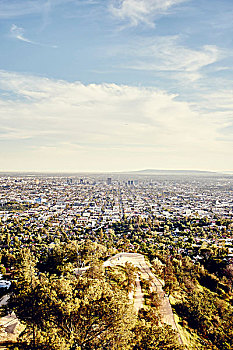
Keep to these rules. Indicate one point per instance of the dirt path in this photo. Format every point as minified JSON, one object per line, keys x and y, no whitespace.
{"x":9,"y":328}
{"x":4,"y":300}
{"x":9,"y":325}
{"x":138,"y":295}
{"x":138,"y":260}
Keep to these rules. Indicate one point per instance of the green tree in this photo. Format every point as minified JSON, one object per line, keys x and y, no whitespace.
{"x":84,"y":312}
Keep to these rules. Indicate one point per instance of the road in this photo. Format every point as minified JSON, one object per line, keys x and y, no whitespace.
{"x":8,"y":324}
{"x":138,"y":260}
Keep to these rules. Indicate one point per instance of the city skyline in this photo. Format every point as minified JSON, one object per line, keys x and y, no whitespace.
{"x":104,"y":86}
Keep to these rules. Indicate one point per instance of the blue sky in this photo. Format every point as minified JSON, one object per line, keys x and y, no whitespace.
{"x":89,"y":85}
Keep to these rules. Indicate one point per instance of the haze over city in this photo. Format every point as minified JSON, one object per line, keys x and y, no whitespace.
{"x":116,"y":85}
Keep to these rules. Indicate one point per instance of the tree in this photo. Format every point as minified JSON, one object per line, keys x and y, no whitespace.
{"x":150,"y":335}
{"x":23,"y":298}
{"x":130,"y":273}
{"x":170,"y":280}
{"x":84,"y":312}
{"x":229,"y":274}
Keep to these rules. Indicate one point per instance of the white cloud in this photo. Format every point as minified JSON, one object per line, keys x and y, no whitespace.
{"x":10,"y":133}
{"x":18,"y":33}
{"x":141,"y":11}
{"x":14,"y":8}
{"x":59,"y":125}
{"x":17,"y":8}
{"x":221,"y":101}
{"x":166,"y":54}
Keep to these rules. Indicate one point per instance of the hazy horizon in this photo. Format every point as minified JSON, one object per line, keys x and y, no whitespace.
{"x":104,"y":86}
{"x":124,"y":172}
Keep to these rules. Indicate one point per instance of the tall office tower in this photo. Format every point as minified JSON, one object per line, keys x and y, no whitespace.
{"x":109,"y":181}
{"x":130,"y":182}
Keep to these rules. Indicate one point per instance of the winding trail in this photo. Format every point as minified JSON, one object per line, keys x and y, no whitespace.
{"x":9,"y":325}
{"x":138,"y":260}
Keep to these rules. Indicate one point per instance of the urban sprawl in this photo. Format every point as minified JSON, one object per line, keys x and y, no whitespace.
{"x":85,"y":204}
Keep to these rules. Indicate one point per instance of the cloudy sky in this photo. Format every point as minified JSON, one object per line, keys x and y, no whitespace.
{"x":110,"y":85}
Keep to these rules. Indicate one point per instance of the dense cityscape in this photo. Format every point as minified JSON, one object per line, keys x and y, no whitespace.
{"x":93,"y":198}
{"x":67,"y":225}
{"x":91,"y":202}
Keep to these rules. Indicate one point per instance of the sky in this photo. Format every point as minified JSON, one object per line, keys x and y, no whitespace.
{"x":116,"y":85}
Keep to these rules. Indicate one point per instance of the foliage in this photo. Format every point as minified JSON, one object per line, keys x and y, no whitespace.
{"x":149,"y":335}
{"x":86,"y":312}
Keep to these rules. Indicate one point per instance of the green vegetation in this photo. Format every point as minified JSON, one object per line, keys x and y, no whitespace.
{"x":90,"y":309}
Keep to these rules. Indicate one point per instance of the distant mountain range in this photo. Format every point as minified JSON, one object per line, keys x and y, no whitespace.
{"x":173,"y":172}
